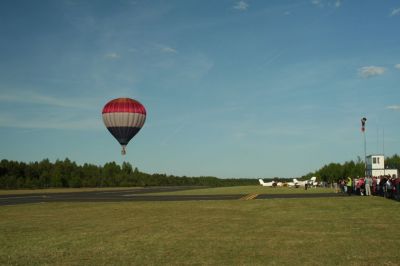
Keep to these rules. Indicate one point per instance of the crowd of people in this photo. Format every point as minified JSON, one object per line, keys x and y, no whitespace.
{"x":385,"y":186}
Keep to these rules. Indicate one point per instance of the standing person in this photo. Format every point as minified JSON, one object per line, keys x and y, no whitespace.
{"x":362,"y":186}
{"x":374,"y":184}
{"x":357,"y":184}
{"x":388,"y":188}
{"x":343,"y":185}
{"x":349,"y":186}
{"x":368,"y":183}
{"x":397,"y":183}
{"x":382,"y":186}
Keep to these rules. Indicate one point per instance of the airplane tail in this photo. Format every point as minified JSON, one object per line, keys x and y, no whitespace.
{"x":314,"y":182}
{"x":295,"y":180}
{"x":261,"y":181}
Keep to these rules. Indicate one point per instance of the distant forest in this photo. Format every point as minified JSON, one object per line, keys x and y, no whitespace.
{"x":45,"y":174}
{"x":334,"y":171}
{"x":66,"y":173}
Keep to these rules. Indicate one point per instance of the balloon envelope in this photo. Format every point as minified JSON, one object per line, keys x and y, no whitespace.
{"x":124,"y":117}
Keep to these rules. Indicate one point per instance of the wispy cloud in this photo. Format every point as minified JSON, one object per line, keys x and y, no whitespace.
{"x":323,"y":3}
{"x":196,"y":66}
{"x":397,"y":66}
{"x":166,"y":49}
{"x":112,"y":56}
{"x":241,"y":5}
{"x":371,"y":71}
{"x":42,"y":111}
{"x":41,"y":99}
{"x":395,"y":12}
{"x":393,"y":107}
{"x":60,"y":122}
{"x":169,"y":50}
{"x":316,"y":2}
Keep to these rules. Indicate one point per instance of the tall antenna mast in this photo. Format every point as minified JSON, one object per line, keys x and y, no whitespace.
{"x":377,"y":139}
{"x":383,"y":150}
{"x":383,"y":142}
{"x":363,"y":120}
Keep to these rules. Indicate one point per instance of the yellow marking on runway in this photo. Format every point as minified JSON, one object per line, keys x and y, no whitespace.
{"x":249,"y":197}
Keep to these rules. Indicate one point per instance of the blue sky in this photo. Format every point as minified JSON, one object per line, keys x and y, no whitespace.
{"x":232,"y":88}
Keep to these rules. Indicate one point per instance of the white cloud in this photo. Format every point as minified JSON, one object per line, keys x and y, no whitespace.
{"x":323,"y":3}
{"x":112,"y":56}
{"x":168,"y":50}
{"x":159,"y":47}
{"x":393,"y":107}
{"x":317,"y":3}
{"x":395,"y":12}
{"x":44,"y":122}
{"x":370,"y":71}
{"x":397,"y":66}
{"x":41,"y":99}
{"x":36,"y":114}
{"x":241,"y":5}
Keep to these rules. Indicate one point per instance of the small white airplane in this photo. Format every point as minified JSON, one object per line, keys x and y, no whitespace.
{"x":310,"y":182}
{"x":291,"y":184}
{"x":268,"y":184}
{"x":314,"y":182}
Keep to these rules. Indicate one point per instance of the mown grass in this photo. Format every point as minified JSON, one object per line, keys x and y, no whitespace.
{"x":203,"y":191}
{"x":246,"y":190}
{"x":336,"y":231}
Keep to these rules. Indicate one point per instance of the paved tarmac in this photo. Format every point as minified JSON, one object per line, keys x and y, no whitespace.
{"x":139,"y":194}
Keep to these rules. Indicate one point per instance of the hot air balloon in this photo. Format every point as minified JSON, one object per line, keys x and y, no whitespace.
{"x":124,"y":117}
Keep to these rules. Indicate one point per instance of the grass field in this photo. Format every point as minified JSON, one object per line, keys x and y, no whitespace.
{"x":329,"y":231}
{"x":204,"y":191}
{"x":246,"y":190}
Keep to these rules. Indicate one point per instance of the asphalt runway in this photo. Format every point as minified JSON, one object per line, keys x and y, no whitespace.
{"x":139,"y":194}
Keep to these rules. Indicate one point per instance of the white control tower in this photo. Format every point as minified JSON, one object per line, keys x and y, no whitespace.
{"x":376,"y":166}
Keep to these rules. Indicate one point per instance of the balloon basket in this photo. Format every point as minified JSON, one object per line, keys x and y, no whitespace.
{"x":123,"y":151}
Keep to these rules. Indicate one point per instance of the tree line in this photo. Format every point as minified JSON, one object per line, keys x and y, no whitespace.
{"x":334,"y":171}
{"x":66,"y":173}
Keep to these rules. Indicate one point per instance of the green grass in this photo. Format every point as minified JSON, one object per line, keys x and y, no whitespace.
{"x":246,"y":190}
{"x":335,"y":231}
{"x":204,"y":191}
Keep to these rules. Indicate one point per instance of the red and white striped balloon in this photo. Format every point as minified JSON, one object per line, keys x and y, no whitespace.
{"x":124,"y":117}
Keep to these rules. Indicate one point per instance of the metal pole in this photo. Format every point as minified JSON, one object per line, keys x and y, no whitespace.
{"x":383,"y":147}
{"x":363,"y":120}
{"x":365,"y":155}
